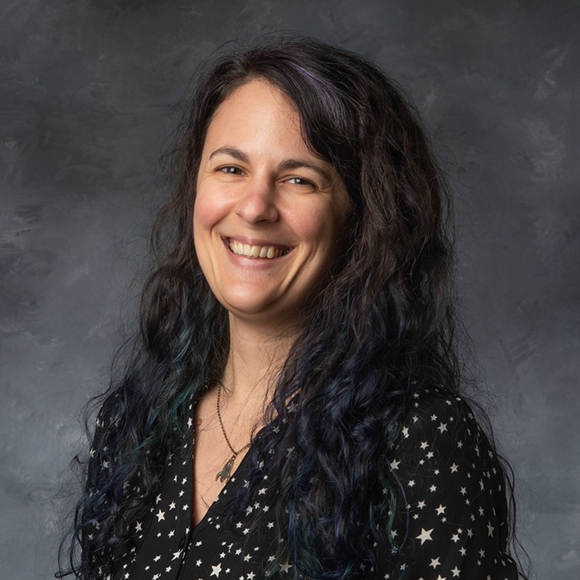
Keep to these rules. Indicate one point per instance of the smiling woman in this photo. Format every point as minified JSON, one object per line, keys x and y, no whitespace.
{"x":292,"y":406}
{"x":268,"y":214}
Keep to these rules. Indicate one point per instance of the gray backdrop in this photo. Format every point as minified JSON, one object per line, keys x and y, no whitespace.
{"x":86,"y":94}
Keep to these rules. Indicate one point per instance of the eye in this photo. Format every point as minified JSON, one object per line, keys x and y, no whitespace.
{"x":300,"y":181}
{"x":230,"y":169}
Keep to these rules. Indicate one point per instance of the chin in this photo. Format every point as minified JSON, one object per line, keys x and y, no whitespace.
{"x":247,"y":307}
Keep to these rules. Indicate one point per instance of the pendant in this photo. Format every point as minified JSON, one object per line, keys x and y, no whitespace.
{"x":226,"y":471}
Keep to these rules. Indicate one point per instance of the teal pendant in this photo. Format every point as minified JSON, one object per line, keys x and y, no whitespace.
{"x":226,"y":472}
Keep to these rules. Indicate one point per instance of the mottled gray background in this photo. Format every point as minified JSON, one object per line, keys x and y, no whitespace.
{"x":86,"y":94}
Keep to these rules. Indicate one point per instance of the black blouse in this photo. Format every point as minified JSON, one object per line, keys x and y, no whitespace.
{"x":450,"y":521}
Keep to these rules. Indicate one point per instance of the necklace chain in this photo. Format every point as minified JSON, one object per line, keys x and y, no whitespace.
{"x":226,"y":472}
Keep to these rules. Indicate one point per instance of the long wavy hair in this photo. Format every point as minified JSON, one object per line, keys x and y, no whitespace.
{"x":383,"y":327}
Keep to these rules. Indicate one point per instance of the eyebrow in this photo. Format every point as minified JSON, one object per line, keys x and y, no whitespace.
{"x":233,"y":152}
{"x":287,"y":164}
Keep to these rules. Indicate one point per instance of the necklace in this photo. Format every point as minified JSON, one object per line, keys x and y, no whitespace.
{"x":226,"y":471}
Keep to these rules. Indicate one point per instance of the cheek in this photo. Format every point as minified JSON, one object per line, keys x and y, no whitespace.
{"x":208,"y":210}
{"x":202,"y":213}
{"x":198,"y":226}
{"x":204,"y":218}
{"x":321,"y":228}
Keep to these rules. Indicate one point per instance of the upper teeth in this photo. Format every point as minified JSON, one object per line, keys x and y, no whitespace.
{"x":256,"y":251}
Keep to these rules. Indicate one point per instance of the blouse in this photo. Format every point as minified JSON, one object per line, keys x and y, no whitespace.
{"x":451,"y":519}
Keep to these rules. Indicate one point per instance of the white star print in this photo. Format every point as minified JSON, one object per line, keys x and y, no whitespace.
{"x":425,"y":480}
{"x":424,"y":535}
{"x":216,"y":570}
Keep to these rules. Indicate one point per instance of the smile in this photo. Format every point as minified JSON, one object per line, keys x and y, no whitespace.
{"x":249,"y":251}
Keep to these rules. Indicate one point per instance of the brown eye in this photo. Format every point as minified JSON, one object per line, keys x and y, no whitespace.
{"x":230,"y":169}
{"x":300,"y":181}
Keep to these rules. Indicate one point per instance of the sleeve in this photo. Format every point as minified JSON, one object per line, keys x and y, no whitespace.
{"x":100,"y":465}
{"x":97,"y":470}
{"x":450,"y":519}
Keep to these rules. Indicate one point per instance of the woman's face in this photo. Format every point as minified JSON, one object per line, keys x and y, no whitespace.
{"x":268,"y":214}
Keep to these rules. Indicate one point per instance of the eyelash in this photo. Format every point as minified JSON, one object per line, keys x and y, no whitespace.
{"x":228,"y":168}
{"x":305,"y":182}
{"x":233,"y":170}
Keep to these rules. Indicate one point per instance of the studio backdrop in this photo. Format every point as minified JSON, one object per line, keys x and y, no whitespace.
{"x":88,"y":99}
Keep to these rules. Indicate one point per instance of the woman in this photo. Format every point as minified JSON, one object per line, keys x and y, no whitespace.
{"x":292,"y":405}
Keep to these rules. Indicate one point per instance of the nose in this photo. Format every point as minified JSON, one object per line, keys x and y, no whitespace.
{"x":258,"y":202}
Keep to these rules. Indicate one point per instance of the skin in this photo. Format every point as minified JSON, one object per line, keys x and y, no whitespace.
{"x":249,"y":191}
{"x":258,"y":184}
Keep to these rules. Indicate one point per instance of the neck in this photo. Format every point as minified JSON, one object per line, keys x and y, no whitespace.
{"x":255,"y":356}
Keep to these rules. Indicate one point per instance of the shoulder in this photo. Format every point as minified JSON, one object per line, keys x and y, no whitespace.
{"x":442,"y":444}
{"x":104,"y":449}
{"x":440,"y":425}
{"x":450,"y":512}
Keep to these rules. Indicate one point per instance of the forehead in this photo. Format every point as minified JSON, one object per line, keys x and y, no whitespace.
{"x":255,"y":94}
{"x":257,"y":112}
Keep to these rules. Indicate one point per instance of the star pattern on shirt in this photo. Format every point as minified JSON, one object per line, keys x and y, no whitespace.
{"x":452,"y":490}
{"x":449,"y":520}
